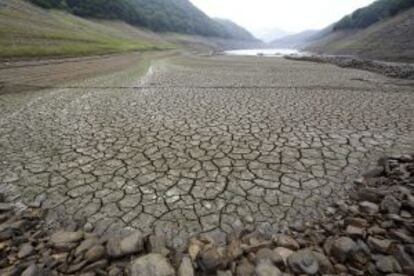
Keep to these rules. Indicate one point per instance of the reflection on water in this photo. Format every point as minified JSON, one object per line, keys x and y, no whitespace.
{"x":263,"y":52}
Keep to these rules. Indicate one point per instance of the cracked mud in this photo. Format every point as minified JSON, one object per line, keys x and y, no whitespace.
{"x":200,"y":144}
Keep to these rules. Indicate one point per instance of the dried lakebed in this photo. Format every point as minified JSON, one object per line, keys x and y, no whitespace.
{"x":200,"y":144}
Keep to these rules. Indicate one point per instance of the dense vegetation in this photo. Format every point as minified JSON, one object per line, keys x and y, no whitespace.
{"x":158,"y":15}
{"x":373,"y":13}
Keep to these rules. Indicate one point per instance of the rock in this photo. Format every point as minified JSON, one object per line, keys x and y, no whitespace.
{"x":374,"y":172}
{"x":96,"y":266}
{"x":268,"y":254}
{"x":355,"y":232}
{"x":284,"y":253}
{"x":211,"y":259}
{"x":245,"y":268}
{"x":61,"y":238}
{"x":186,"y":267}
{"x":234,"y":250}
{"x":404,"y":259}
{"x":4,"y":207}
{"x":153,"y":264}
{"x":388,"y":264}
{"x":286,"y":242}
{"x":401,"y":235}
{"x":33,"y":270}
{"x":390,"y":205}
{"x":303,"y":262}
{"x":25,"y":251}
{"x":360,"y":256}
{"x":325,"y":266}
{"x":115,"y":271}
{"x":194,"y":249}
{"x":368,"y":208}
{"x":342,"y":248}
{"x":224,"y":273}
{"x":359,"y":181}
{"x":357,"y":222}
{"x":131,"y":244}
{"x":95,"y":253}
{"x":88,"y":227}
{"x":85,"y":246}
{"x":157,"y":244}
{"x":266,"y":268}
{"x":380,"y":246}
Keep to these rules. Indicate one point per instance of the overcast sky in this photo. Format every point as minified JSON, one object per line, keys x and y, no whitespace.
{"x":289,"y":15}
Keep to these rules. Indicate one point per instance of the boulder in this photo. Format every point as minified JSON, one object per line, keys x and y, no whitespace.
{"x":153,"y":264}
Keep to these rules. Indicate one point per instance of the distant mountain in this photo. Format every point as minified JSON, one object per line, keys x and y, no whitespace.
{"x":293,"y":41}
{"x":179,"y":16}
{"x":270,"y":34}
{"x":234,"y":29}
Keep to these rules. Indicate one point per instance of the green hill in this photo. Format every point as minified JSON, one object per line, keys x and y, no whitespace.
{"x":376,"y":12}
{"x":178,"y":16}
{"x":29,"y":31}
{"x":383,"y":30}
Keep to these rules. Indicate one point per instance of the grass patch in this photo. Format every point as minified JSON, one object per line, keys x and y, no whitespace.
{"x":28,"y":31}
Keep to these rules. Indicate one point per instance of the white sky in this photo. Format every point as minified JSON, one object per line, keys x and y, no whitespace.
{"x":289,"y":15}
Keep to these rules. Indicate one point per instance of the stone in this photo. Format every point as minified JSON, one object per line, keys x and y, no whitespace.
{"x":390,"y":205}
{"x":63,"y":237}
{"x":33,"y":270}
{"x":88,"y":227}
{"x":325,"y":266}
{"x":388,"y":264}
{"x":378,"y":245}
{"x":153,"y":264}
{"x":157,"y":244}
{"x":234,"y":250}
{"x":355,"y":232}
{"x":284,"y":253}
{"x":303,"y":262}
{"x":360,"y":256}
{"x":268,"y":254}
{"x":286,"y":242}
{"x":95,"y":253}
{"x":211,"y":259}
{"x":374,"y":172}
{"x":401,"y":235}
{"x":115,"y":271}
{"x":25,"y":251}
{"x":96,"y":266}
{"x":245,"y":268}
{"x":404,"y":259}
{"x":85,"y":245}
{"x":194,"y":248}
{"x":357,"y":222}
{"x":4,"y":207}
{"x":224,"y":273}
{"x":342,"y":248}
{"x":130,"y":244}
{"x":186,"y":267}
{"x":368,"y":208}
{"x":266,"y":268}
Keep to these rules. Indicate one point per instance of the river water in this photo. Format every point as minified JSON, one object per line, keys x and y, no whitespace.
{"x":263,"y":52}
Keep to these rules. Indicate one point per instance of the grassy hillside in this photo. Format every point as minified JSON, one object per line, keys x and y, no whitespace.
{"x":179,"y":16}
{"x":26,"y":30}
{"x":237,"y":31}
{"x":392,"y":39}
{"x":376,"y":12}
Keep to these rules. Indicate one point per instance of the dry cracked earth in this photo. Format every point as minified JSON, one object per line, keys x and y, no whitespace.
{"x":199,"y":144}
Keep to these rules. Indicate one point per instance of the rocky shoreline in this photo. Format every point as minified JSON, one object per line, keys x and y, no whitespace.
{"x":369,"y":233}
{"x":389,"y":69}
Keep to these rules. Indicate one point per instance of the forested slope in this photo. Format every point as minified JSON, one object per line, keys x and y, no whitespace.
{"x":158,"y":15}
